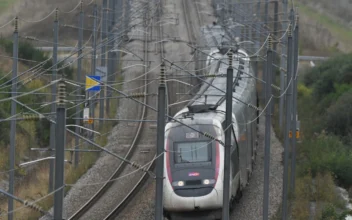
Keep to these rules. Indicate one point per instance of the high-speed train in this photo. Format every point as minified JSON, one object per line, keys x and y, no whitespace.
{"x":194,"y":162}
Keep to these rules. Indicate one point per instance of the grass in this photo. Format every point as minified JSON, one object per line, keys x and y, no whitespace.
{"x":4,"y":4}
{"x":34,"y":185}
{"x":335,"y":27}
{"x":31,"y":191}
{"x":320,"y":190}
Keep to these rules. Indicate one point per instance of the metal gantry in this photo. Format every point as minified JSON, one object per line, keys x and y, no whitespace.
{"x":12,"y":155}
{"x":268,"y":117}
{"x":160,"y":146}
{"x":60,"y":151}
{"x":53,"y":97}
{"x":228,"y":131}
{"x":79,"y":78}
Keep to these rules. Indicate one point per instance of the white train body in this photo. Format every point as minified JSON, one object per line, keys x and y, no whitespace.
{"x":194,"y":164}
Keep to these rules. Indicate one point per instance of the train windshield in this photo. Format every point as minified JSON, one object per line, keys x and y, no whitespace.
{"x":193,"y":152}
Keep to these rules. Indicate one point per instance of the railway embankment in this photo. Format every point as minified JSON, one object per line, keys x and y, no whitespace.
{"x":323,"y":93}
{"x":324,"y":152}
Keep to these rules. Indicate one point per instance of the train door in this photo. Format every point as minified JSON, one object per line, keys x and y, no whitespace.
{"x":235,"y":166}
{"x":254,"y":140}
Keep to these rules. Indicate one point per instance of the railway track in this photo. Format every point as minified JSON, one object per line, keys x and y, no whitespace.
{"x":188,"y":21}
{"x":122,"y":205}
{"x":140,"y":183}
{"x":122,"y":167}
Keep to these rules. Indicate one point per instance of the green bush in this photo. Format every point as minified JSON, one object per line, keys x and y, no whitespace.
{"x":303,"y":91}
{"x":326,"y":154}
{"x":330,"y":213}
{"x":339,"y":116}
{"x":4,"y":130}
{"x":322,"y":78}
{"x":42,"y":128}
{"x":28,"y":52}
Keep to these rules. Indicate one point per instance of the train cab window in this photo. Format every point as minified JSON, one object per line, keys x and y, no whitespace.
{"x":192,"y":152}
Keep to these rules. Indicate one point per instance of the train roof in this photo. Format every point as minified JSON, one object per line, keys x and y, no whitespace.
{"x":209,"y":105}
{"x":204,"y":104}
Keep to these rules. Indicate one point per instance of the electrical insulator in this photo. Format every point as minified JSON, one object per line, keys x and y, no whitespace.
{"x":162,"y":74}
{"x":61,"y":94}
{"x":30,"y":117}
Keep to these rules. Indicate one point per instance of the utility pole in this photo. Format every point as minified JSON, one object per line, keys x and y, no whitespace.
{"x":250,"y":22}
{"x":127,"y":18}
{"x":104,"y":32}
{"x":282,"y":73}
{"x":103,"y":61}
{"x":94,"y":64}
{"x":160,"y":146}
{"x":12,"y":155}
{"x":222,"y":16}
{"x":294,"y":107}
{"x":116,"y":54}
{"x":60,"y":151}
{"x":79,"y":74}
{"x":228,"y":127}
{"x":266,"y":14}
{"x":244,"y":20}
{"x":276,"y":20}
{"x":110,"y":54}
{"x":53,"y":98}
{"x":268,"y":96}
{"x":290,"y":71}
{"x":257,"y":36}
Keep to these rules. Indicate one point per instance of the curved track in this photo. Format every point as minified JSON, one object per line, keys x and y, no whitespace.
{"x":120,"y":207}
{"x":188,"y":21}
{"x":86,"y":207}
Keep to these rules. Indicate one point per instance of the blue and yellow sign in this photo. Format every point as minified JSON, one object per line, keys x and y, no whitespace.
{"x":92,"y":83}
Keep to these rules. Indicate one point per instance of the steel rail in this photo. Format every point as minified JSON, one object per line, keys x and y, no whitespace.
{"x":95,"y":198}
{"x":188,"y":21}
{"x":141,"y":182}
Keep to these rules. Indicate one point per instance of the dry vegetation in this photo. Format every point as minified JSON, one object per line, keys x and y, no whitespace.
{"x":36,"y":10}
{"x":324,"y":154}
{"x":339,"y":10}
{"x":322,"y":30}
{"x":33,"y":183}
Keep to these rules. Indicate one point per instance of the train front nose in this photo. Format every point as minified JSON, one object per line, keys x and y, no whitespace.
{"x":192,"y":169}
{"x":193,"y":190}
{"x":191,"y":187}
{"x":192,"y":199}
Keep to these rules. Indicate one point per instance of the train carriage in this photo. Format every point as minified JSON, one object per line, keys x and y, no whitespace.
{"x":194,"y":163}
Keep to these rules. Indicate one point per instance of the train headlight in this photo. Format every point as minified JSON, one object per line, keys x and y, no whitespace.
{"x":208,"y":181}
{"x":178,"y":183}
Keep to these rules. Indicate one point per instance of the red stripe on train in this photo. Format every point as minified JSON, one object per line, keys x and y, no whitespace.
{"x":168,"y":169}
{"x":217,"y":162}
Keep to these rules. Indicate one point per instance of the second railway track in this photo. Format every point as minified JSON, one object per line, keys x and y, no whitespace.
{"x":141,"y":181}
{"x":91,"y":210}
